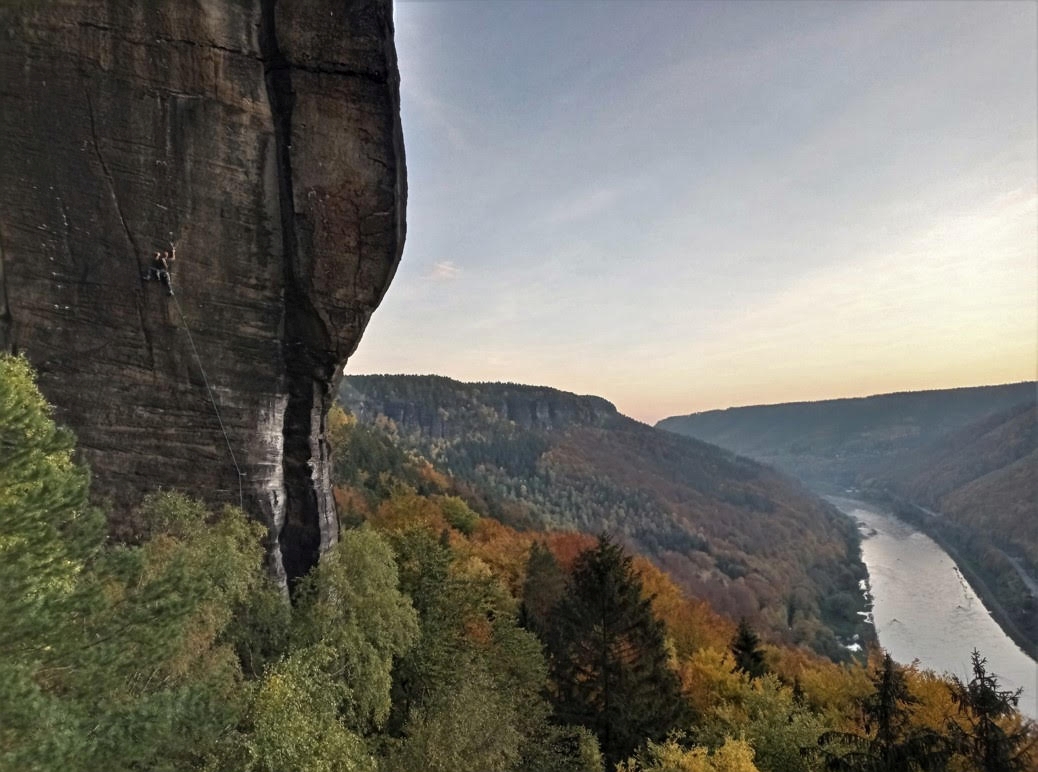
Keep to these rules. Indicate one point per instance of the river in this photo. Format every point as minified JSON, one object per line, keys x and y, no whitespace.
{"x":924,"y":609}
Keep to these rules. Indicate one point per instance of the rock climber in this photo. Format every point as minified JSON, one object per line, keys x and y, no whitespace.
{"x":161,"y":265}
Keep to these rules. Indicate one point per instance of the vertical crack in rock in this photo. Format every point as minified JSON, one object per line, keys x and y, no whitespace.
{"x":135,"y":257}
{"x":6,"y":322}
{"x":268,"y":129}
{"x":304,"y":335}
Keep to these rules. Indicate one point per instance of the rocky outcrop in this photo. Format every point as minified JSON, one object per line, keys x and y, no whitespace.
{"x":263,"y":137}
{"x":439,"y":407}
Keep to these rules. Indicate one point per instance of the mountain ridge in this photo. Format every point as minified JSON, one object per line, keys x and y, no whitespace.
{"x":730,"y":530}
{"x":826,"y":442}
{"x":960,"y":464}
{"x":899,"y":393}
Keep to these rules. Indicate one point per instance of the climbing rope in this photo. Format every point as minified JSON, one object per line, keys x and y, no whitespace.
{"x":212,"y":399}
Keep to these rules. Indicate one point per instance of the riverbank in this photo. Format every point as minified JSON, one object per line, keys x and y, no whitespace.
{"x":925,"y":611}
{"x":929,"y":523}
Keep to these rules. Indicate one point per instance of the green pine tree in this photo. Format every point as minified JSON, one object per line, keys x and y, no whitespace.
{"x":543,"y":588}
{"x":48,"y":535}
{"x":469,"y":697}
{"x":745,"y":646}
{"x":995,"y":742}
{"x":890,"y":742}
{"x":609,"y":660}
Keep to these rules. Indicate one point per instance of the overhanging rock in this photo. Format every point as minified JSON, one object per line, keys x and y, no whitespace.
{"x":264,"y":138}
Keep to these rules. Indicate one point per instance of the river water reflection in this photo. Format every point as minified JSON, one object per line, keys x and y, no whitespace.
{"x":924,"y":610}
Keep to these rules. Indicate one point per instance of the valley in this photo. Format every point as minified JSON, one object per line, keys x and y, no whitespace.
{"x":224,"y":549}
{"x":924,"y":609}
{"x":746,"y":539}
{"x":960,"y":464}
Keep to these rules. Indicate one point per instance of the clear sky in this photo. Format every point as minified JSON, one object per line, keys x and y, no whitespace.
{"x":687,"y":205}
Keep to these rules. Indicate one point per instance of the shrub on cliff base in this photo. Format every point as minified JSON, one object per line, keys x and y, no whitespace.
{"x":48,"y":533}
{"x":111,"y":656}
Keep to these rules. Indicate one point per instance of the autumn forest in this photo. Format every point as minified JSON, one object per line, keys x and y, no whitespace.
{"x":447,"y":630}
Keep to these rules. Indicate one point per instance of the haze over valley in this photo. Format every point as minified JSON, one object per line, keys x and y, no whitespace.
{"x":367,"y":372}
{"x":687,"y":206}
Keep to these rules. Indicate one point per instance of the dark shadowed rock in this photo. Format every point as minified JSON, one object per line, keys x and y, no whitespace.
{"x":264,"y":138}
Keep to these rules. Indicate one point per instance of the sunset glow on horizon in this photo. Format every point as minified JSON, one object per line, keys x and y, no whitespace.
{"x":689,"y":206}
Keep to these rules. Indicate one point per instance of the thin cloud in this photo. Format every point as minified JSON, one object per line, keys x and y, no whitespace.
{"x":578,"y":208}
{"x":445,"y":270}
{"x":767,"y":203}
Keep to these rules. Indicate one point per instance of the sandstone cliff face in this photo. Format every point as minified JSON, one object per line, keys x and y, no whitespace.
{"x":263,"y":136}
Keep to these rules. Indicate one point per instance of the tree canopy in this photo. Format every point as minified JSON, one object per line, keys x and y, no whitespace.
{"x":609,"y":658}
{"x":432,"y":637}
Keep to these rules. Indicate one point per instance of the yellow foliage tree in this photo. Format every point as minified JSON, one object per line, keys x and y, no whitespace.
{"x":691,"y":624}
{"x":708,"y":678}
{"x":732,"y":756}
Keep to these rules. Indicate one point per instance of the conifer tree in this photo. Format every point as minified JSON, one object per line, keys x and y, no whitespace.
{"x":469,"y":697}
{"x":609,"y":659}
{"x":995,"y":743}
{"x":891,"y":743}
{"x":45,"y":545}
{"x":886,"y":709}
{"x":543,"y":588}
{"x":745,"y":646}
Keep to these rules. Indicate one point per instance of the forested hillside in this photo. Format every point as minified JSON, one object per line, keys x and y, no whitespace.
{"x":977,"y":491}
{"x":744,"y":538}
{"x":962,"y":464}
{"x":830,"y":442}
{"x":984,"y":476}
{"x":430,"y":637}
